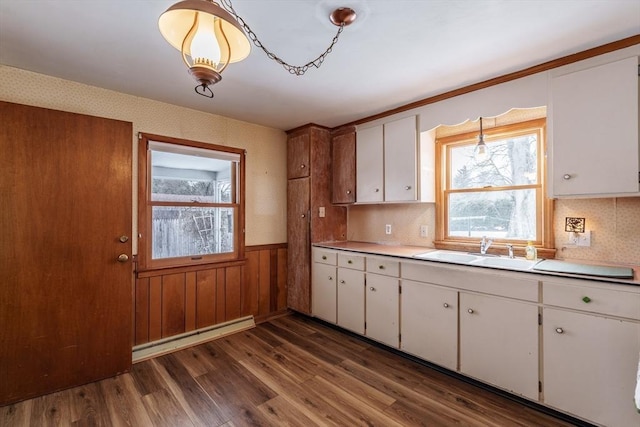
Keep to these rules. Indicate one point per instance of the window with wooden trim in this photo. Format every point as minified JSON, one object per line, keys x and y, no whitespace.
{"x":501,"y":195}
{"x":190,"y":203}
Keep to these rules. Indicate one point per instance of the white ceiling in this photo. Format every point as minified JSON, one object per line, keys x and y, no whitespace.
{"x":397,"y":51}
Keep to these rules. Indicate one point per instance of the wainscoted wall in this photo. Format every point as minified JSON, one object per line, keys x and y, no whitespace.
{"x":191,"y":298}
{"x":615,"y":223}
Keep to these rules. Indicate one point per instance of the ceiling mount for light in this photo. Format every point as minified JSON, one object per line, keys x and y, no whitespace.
{"x":210,"y":37}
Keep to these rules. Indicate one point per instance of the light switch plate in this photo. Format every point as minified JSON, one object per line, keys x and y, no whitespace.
{"x":387,"y":229}
{"x":321,"y":212}
{"x":424,"y":230}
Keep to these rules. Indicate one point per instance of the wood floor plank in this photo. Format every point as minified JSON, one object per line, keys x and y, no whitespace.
{"x":123,"y":403}
{"x":279,"y":412}
{"x":86,"y":406}
{"x":51,"y":410}
{"x":16,"y":414}
{"x":164,"y":409}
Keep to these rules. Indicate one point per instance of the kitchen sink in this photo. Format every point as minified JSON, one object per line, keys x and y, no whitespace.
{"x":446,"y":256}
{"x":511,"y":263}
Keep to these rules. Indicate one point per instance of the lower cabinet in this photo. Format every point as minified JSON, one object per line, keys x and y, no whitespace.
{"x":429,"y":323}
{"x":499,"y":342}
{"x":383,"y":309}
{"x":323,"y":292}
{"x":351,"y":300}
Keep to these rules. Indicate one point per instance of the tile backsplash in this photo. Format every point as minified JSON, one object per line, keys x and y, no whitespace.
{"x":614,"y":222}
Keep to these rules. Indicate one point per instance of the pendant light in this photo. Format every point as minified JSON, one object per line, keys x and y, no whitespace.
{"x":210,"y":37}
{"x":481,"y":151}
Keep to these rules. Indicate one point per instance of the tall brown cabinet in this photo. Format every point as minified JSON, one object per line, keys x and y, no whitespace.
{"x":311,"y":218}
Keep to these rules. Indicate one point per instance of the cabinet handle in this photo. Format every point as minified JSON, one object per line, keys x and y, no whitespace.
{"x":324,"y":257}
{"x":372,"y":289}
{"x":341,"y":281}
{"x":349,"y":262}
{"x":381,"y":267}
{"x":566,"y":176}
{"x":445,"y":305}
{"x":302,"y":216}
{"x":408,"y":187}
{"x":330,"y":278}
{"x":586,"y":300}
{"x":470,"y":311}
{"x":559,"y":330}
{"x":302,"y":166}
{"x":123,"y":258}
{"x":377,"y":190}
{"x":124,"y":239}
{"x":348,"y":191}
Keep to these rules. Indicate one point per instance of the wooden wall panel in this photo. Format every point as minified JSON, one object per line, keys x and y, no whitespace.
{"x":205,"y":298}
{"x":155,"y":308}
{"x":141,"y":312}
{"x":264,"y":283}
{"x":190,"y":301}
{"x":180,"y":300}
{"x":173,"y":309}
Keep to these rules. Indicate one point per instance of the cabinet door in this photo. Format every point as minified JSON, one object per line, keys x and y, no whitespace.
{"x":595,"y":130}
{"x":590,"y":366}
{"x":299,"y":246}
{"x":298,"y":161}
{"x":499,"y":342}
{"x":351,"y":300}
{"x":383,"y":309}
{"x":429,"y":323}
{"x":343,"y":156}
{"x":369,"y":165}
{"x":400,"y":160}
{"x":324,"y":292}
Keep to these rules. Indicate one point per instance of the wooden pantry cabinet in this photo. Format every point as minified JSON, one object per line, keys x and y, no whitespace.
{"x":311,"y":217}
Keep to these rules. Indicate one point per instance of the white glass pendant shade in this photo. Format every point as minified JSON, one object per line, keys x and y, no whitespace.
{"x":202,"y":30}
{"x":481,"y":150}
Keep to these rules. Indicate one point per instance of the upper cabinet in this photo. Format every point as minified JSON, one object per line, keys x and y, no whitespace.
{"x":343,"y":157}
{"x":593,"y":127}
{"x":389,"y":161}
{"x":298,"y":152}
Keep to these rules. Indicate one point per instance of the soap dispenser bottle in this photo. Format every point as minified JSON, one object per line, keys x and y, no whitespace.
{"x":530,"y":251}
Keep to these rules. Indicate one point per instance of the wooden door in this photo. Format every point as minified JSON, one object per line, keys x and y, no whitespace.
{"x":65,"y":300}
{"x":298,"y":156}
{"x":299,"y":245}
{"x":343,"y":156}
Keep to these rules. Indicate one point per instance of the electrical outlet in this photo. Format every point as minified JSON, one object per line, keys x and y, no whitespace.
{"x":424,"y":230}
{"x":584,"y":239}
{"x":387,"y":229}
{"x":321,"y":212}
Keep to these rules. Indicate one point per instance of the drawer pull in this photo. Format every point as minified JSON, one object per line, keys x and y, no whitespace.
{"x":342,"y":281}
{"x":445,"y":305}
{"x":381,"y":267}
{"x":470,"y":311}
{"x":372,"y":289}
{"x":348,"y":191}
{"x":302,"y":166}
{"x":586,"y":300}
{"x":408,"y":187}
{"x":349,"y":262}
{"x":330,"y":278}
{"x":324,"y":257}
{"x":559,"y":330}
{"x":566,"y":176}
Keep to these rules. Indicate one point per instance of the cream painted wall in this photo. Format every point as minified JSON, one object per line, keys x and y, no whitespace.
{"x":266,"y":177}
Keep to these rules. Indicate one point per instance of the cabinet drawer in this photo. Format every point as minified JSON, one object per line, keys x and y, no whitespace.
{"x":579,"y":295}
{"x":349,"y":260}
{"x":384,"y":266}
{"x":325,"y":256}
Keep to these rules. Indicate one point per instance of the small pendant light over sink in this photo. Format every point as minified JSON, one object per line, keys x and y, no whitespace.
{"x":481,"y":151}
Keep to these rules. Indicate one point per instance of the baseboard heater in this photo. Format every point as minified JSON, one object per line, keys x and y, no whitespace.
{"x":188,"y":339}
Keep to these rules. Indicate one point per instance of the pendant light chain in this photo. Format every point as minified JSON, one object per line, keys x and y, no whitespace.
{"x":298,"y":70}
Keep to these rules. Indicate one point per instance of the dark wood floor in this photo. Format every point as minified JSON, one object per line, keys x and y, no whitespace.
{"x":289,"y":371}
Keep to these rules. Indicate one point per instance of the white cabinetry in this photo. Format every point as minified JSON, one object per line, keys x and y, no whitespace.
{"x":594,"y":146}
{"x":351,"y":295}
{"x":499,"y":342}
{"x":590,"y":361}
{"x":323,"y":284}
{"x":383,"y":300}
{"x":429,"y":323}
{"x":389,"y":160}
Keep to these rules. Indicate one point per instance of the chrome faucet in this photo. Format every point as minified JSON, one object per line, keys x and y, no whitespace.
{"x":510,"y":249}
{"x":485,"y":244}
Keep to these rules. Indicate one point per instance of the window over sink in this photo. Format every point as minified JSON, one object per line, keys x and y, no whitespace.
{"x":500,"y":195}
